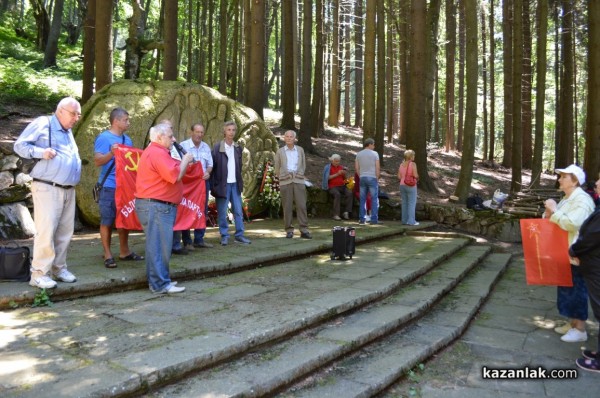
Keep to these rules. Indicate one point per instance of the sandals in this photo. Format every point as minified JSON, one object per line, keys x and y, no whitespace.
{"x":131,"y":257}
{"x":110,"y":263}
{"x":589,"y":354}
{"x":592,"y":365}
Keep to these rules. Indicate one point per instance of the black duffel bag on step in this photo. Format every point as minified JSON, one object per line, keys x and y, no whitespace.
{"x":15,"y":263}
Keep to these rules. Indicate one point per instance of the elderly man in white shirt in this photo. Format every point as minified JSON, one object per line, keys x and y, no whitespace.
{"x":290,"y":165}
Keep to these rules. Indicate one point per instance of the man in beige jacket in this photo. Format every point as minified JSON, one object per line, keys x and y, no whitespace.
{"x":290,"y":165}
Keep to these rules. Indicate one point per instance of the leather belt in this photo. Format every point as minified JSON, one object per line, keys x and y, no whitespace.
{"x":164,"y":202}
{"x":54,"y":184}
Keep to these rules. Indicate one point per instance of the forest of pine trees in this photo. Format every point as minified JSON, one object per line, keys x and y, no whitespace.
{"x":510,"y":82}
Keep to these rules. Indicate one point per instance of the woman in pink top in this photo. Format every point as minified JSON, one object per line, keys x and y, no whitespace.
{"x":408,"y":193}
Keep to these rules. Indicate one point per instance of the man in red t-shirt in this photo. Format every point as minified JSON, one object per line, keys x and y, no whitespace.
{"x":334,"y":180}
{"x":158,"y":191}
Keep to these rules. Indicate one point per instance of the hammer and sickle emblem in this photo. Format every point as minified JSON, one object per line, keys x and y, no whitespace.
{"x":133,"y":163}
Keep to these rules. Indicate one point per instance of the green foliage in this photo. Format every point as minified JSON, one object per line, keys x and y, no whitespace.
{"x":22,"y":79}
{"x":42,"y":299}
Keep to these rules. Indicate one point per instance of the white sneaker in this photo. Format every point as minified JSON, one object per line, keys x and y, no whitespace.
{"x":174,"y":289}
{"x":345,"y":215}
{"x":574,"y":336}
{"x":65,"y":276}
{"x":43,"y":282}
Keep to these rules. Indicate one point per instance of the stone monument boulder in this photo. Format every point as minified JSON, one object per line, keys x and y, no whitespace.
{"x":183,"y":104}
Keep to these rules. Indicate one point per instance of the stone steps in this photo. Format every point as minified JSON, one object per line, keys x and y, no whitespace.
{"x":373,"y":369}
{"x":133,"y":341}
{"x":265,"y":371}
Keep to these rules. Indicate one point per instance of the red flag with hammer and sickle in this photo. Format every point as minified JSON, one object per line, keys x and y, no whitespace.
{"x":190,"y":212}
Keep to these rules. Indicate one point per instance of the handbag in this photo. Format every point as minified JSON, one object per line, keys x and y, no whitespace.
{"x":15,"y":263}
{"x":410,"y":179}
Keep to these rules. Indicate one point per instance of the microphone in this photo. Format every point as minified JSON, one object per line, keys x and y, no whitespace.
{"x":179,"y":148}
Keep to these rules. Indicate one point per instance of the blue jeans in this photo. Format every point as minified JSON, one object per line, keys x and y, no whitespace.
{"x":369,"y":184}
{"x":409,"y":203}
{"x":234,"y":197}
{"x":157,"y":219}
{"x":198,"y":233}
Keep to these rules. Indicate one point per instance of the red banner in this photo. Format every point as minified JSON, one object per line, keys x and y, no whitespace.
{"x":546,"y":251}
{"x":190,"y":212}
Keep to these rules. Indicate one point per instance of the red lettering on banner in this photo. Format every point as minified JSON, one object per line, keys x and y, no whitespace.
{"x":190,"y":212}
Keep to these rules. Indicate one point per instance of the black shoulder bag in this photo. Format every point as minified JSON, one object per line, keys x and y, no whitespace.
{"x":15,"y":263}
{"x":98,"y":186}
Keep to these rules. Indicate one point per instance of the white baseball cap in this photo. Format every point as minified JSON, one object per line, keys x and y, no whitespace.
{"x":575,"y":170}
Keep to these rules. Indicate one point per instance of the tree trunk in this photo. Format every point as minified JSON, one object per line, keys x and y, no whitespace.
{"x":381,"y":83}
{"x":288,"y":86}
{"x":391,"y":95}
{"x":507,"y":40}
{"x":484,"y":78}
{"x":133,"y":44}
{"x":170,"y":52}
{"x":468,"y":155}
{"x":211,"y":46}
{"x":89,"y":40}
{"x":526,"y":92}
{"x":334,"y":89}
{"x":52,"y":45}
{"x":317,"y":106}
{"x":190,"y":42}
{"x":450,"y":68}
{"x":235,"y":49}
{"x":256,"y":68}
{"x":358,"y":63}
{"x":403,"y":50}
{"x":42,"y":22}
{"x":104,"y":45}
{"x":564,"y":136}
{"x":304,"y":136}
{"x":492,"y":134}
{"x":223,"y":47}
{"x":369,"y":70}
{"x":540,"y":100}
{"x":592,"y":128}
{"x":433,"y":22}
{"x":347,"y":69}
{"x":415,"y":138}
{"x":203,"y":44}
{"x":461,"y":74}
{"x":517,"y":132}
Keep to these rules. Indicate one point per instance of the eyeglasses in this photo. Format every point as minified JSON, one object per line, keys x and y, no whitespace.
{"x":73,"y":114}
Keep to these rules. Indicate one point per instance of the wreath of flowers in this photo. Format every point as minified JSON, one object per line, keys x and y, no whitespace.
{"x":269,"y":194}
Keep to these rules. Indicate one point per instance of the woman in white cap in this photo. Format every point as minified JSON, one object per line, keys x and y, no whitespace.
{"x":569,"y":214}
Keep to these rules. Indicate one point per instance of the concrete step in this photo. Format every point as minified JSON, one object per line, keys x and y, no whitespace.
{"x":376,"y":367}
{"x":131,"y":341}
{"x":265,"y":371}
{"x":268,"y":248}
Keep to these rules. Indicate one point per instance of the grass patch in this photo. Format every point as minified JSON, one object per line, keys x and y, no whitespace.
{"x":23,"y":80}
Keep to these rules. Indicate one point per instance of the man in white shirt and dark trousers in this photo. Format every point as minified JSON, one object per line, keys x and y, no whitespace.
{"x":290,"y":165}
{"x":202,"y":153}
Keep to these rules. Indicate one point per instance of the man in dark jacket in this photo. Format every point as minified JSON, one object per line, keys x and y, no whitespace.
{"x":227,"y":183}
{"x":585,"y":252}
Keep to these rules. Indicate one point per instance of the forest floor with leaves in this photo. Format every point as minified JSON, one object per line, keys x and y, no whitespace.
{"x":443,"y":167}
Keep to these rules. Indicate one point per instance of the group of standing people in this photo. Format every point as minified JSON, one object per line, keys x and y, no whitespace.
{"x":367,"y":176}
{"x":159,"y":190}
{"x":576,"y":215}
